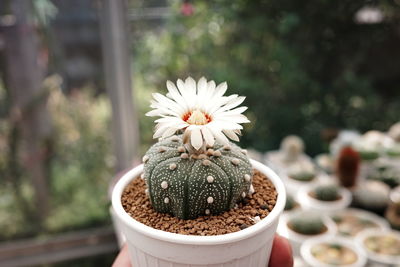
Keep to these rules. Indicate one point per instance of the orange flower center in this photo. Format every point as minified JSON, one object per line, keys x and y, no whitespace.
{"x":196,"y":117}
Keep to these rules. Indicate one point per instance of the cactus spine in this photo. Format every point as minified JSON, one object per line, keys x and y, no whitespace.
{"x":189,"y":185}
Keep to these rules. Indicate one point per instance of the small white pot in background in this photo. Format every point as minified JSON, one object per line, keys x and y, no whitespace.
{"x":377,"y":259}
{"x":347,"y":229}
{"x":313,"y":204}
{"x":311,"y":260}
{"x":151,"y":247}
{"x":296,"y":239}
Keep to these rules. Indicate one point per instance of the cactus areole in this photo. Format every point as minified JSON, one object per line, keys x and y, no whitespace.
{"x":193,"y":169}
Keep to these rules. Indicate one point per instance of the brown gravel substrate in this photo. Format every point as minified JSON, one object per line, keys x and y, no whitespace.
{"x":137,"y":204}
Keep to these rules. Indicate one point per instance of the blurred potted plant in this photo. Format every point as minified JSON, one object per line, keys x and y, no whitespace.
{"x":324,"y":197}
{"x":331,"y":252}
{"x":348,"y":167}
{"x":302,"y":225}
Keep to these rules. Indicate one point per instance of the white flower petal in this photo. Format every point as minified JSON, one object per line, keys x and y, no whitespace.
{"x":228,"y":125}
{"x":169,"y":119}
{"x":239,"y":118}
{"x":190,"y":84}
{"x":167,"y":103}
{"x":219,"y":102}
{"x":161,"y":128}
{"x":196,"y":139}
{"x":231,"y":104}
{"x":219,"y":136}
{"x":221,"y":89}
{"x":168,"y":132}
{"x":233,"y":111}
{"x":231,"y":134}
{"x":208,"y":136}
{"x":175,"y":94}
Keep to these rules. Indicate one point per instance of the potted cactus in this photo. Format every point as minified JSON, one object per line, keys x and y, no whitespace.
{"x":291,"y":204}
{"x":386,"y":173}
{"x":372,"y":196}
{"x":302,"y":225}
{"x":192,"y":181}
{"x":328,"y":192}
{"x":332,"y":251}
{"x":324,"y":197}
{"x":348,"y":167}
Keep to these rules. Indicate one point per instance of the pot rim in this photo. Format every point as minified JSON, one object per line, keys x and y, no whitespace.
{"x":192,"y":239}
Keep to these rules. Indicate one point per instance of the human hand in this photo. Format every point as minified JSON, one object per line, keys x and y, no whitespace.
{"x":281,"y":255}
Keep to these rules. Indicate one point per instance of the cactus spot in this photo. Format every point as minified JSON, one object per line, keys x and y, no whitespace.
{"x":217,"y":153}
{"x":244,"y":151}
{"x":210,"y":179}
{"x":206,"y":162}
{"x":172,"y":166}
{"x":243,"y":194}
{"x":202,"y":156}
{"x":251,"y":190}
{"x":210,"y":152}
{"x":184,"y":156}
{"x":210,"y":200}
{"x":166,"y":200}
{"x":227,"y":147}
{"x":164,"y":185}
{"x":181,"y":149}
{"x":235,"y":161}
{"x":247,"y":177}
{"x":207,"y":211}
{"x":194,"y":156}
{"x":145,"y":158}
{"x":161,"y":149}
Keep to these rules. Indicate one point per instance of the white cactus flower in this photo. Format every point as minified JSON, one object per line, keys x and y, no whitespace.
{"x":200,"y":110}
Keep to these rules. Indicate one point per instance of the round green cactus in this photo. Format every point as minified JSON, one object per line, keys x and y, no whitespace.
{"x":303,"y":176}
{"x":307,"y":225}
{"x":326,"y":192}
{"x":189,"y":185}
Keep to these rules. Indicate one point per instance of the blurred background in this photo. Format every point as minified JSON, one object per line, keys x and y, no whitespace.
{"x":77,"y":77}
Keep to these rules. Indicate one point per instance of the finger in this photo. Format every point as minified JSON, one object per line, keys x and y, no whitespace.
{"x":123,"y":259}
{"x":281,"y":254}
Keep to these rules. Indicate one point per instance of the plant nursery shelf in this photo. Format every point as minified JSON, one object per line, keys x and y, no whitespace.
{"x":58,"y":248}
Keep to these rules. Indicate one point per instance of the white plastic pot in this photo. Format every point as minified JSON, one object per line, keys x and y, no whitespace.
{"x":376,"y":259}
{"x":314,"y":262}
{"x":297,"y":239}
{"x":310,"y":203}
{"x":151,"y":247}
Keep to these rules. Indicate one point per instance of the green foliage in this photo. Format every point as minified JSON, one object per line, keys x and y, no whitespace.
{"x":82,"y":166}
{"x":80,"y":170}
{"x":188,"y":185}
{"x":304,"y":66}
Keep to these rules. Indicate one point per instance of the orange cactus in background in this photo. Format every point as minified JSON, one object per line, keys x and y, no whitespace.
{"x":347,"y":166}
